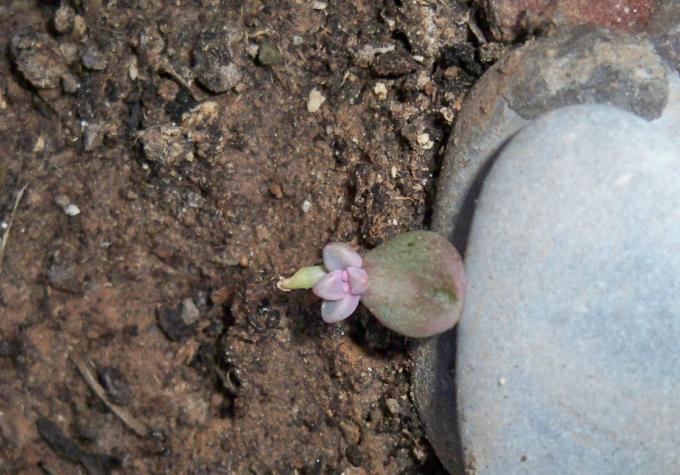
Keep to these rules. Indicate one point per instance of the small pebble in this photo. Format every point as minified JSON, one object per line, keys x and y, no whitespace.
{"x":133,"y":69}
{"x":222,"y":78}
{"x":276,"y":190}
{"x":63,"y":277}
{"x":429,"y":88}
{"x":39,"y":146}
{"x":306,"y":206}
{"x":195,"y":200}
{"x":92,"y":137}
{"x":394,"y":64}
{"x":94,"y":59}
{"x":170,"y":321}
{"x":243,"y":261}
{"x":79,"y":25}
{"x":452,"y":72}
{"x":212,"y":62}
{"x":63,"y":19}
{"x":69,"y":83}
{"x":269,"y":55}
{"x":316,"y":99}
{"x":424,"y":141}
{"x":167,"y":90}
{"x":190,"y":313}
{"x":252,"y":49}
{"x":422,"y":79}
{"x":380,"y":90}
{"x":392,"y":406}
{"x":72,"y":210}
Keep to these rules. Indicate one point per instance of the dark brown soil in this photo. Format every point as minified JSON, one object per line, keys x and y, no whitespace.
{"x":180,"y":131}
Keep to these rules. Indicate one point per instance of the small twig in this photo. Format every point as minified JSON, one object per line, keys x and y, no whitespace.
{"x":133,"y":424}
{"x":475,"y":29}
{"x":5,"y":237}
{"x":257,"y":34}
{"x":169,"y":70}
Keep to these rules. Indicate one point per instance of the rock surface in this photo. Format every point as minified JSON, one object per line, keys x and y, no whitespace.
{"x":664,"y":30}
{"x":568,"y":343}
{"x":510,"y":19}
{"x":488,"y":121}
{"x":578,"y":67}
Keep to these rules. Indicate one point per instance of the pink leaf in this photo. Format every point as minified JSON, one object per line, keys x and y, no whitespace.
{"x":337,"y":310}
{"x":339,"y":256}
{"x":330,"y":286}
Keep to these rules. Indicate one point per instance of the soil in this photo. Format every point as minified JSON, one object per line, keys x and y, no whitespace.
{"x":173,"y":166}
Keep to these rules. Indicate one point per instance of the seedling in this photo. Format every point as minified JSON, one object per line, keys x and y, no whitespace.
{"x":414,"y":284}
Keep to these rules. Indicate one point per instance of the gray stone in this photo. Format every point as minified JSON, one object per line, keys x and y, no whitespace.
{"x":568,"y":347}
{"x":94,"y":59}
{"x":190,"y":312}
{"x":213,"y":64}
{"x":579,"y":67}
{"x":486,"y":122}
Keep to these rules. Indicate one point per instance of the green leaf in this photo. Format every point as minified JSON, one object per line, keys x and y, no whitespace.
{"x":416,"y":284}
{"x":305,"y":278}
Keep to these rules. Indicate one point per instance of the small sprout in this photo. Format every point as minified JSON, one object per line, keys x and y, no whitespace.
{"x":305,"y":278}
{"x":414,"y":284}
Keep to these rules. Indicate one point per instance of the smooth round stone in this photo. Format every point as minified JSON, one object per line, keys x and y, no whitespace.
{"x":570,"y":68}
{"x":569,"y":346}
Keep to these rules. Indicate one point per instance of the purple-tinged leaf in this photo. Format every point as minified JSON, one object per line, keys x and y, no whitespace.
{"x":339,"y":256}
{"x":336,"y":310}
{"x":330,"y":286}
